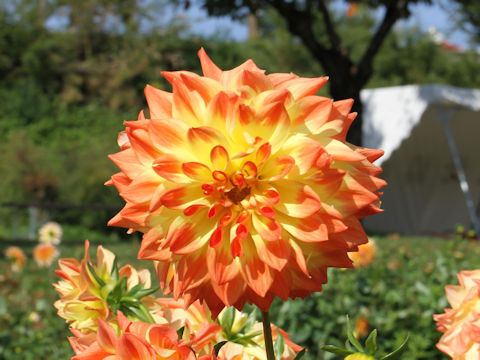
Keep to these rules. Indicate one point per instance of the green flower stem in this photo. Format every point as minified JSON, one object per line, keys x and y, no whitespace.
{"x":267,"y":333}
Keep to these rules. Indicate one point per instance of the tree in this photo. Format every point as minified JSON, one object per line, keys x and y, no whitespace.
{"x":316,"y":25}
{"x":468,"y":16}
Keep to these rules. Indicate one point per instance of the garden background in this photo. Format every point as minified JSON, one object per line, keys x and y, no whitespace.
{"x":71,"y":73}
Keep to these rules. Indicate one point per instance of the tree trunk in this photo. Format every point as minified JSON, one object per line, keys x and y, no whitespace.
{"x":355,"y":136}
{"x":345,"y":85}
{"x":252,"y":21}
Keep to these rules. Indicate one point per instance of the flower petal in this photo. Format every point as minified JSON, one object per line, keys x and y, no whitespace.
{"x":297,"y":199}
{"x":268,"y":229}
{"x":208,"y":67}
{"x":197,"y":171}
{"x":159,"y":103}
{"x":273,"y":253}
{"x":182,"y":197}
{"x":277,"y":168}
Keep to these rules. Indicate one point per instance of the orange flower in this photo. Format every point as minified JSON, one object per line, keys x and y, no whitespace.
{"x":244,"y":185}
{"x":133,"y":341}
{"x":460,"y":325}
{"x":17,"y":257}
{"x":89,"y":292}
{"x":361,"y":327}
{"x":365,"y":254}
{"x":44,"y":254}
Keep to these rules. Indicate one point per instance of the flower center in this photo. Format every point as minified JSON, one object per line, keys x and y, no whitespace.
{"x":236,"y":195}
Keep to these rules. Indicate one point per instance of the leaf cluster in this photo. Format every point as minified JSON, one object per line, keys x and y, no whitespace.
{"x":120,"y":298}
{"x":353,"y":346}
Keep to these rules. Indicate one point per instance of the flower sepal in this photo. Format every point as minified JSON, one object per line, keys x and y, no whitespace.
{"x":120,"y":298}
{"x":238,"y":326}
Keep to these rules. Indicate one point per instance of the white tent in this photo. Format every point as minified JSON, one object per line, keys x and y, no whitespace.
{"x":431,"y":138}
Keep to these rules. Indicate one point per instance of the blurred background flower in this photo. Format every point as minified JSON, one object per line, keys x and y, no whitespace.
{"x":50,"y":233}
{"x":365,"y":254}
{"x":45,"y":254}
{"x":17,"y":258}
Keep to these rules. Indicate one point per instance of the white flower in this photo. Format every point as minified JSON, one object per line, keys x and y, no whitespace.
{"x":50,"y":233}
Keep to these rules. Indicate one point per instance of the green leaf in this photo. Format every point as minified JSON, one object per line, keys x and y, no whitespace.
{"x":138,"y":313}
{"x":252,"y":319}
{"x":148,"y":316}
{"x":336,"y":350}
{"x":180,"y":332}
{"x":351,"y":338}
{"x":396,"y":353}
{"x":300,"y":354}
{"x":95,"y":276}
{"x":130,"y":300}
{"x":145,"y":292}
{"x":132,"y":292}
{"x":348,"y":346}
{"x":218,"y":346}
{"x":114,"y":272}
{"x":120,"y":287}
{"x":371,"y":342}
{"x":227,"y":320}
{"x":115,"y":296}
{"x":279,"y":346}
{"x":244,"y":339}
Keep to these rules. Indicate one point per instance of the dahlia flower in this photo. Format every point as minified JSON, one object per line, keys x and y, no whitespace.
{"x":50,"y":233}
{"x":243,"y":335}
{"x":460,"y":324}
{"x":89,"y":292}
{"x":243,"y":185}
{"x":17,"y":258}
{"x":365,"y":254}
{"x":45,"y":254}
{"x":132,"y":341}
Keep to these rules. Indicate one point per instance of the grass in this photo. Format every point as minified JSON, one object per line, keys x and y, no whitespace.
{"x":398,"y":294}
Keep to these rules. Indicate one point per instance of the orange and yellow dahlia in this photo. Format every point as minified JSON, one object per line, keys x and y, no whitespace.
{"x":96,"y":291}
{"x":244,"y":185}
{"x":131,"y":341}
{"x":460,"y":324}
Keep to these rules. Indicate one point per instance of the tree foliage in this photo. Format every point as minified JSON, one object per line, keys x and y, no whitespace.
{"x":469,"y":11}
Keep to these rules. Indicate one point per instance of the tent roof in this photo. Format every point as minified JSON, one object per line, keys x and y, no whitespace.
{"x":390,"y":113}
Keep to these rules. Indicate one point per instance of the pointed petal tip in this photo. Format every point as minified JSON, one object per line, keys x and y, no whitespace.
{"x":208,"y":66}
